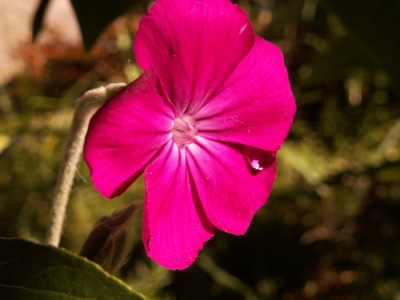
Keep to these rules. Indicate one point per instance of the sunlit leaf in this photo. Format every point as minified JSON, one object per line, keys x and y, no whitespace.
{"x":34,"y":271}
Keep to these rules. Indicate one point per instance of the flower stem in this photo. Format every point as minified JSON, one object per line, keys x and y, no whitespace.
{"x":86,"y":106}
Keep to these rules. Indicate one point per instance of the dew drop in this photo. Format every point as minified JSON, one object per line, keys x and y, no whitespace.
{"x":257,"y":158}
{"x":256,"y":164}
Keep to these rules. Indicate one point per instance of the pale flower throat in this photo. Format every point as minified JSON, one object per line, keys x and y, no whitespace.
{"x":184,"y":131}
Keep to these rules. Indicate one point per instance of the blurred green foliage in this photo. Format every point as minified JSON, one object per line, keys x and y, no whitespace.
{"x":331,"y":228}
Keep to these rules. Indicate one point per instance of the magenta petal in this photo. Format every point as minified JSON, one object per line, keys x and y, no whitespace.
{"x":126,"y":133}
{"x":194,"y":46}
{"x":174,"y":223}
{"x":256,"y":105}
{"x":231,"y":191}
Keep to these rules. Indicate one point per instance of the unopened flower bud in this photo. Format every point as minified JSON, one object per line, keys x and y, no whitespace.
{"x":109,"y":241}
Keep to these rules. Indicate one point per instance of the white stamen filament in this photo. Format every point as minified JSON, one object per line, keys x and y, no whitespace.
{"x":184,"y":131}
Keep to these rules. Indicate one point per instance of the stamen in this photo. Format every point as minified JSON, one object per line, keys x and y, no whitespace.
{"x":184,"y":131}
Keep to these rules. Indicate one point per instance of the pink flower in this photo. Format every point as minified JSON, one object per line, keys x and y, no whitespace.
{"x":203,"y":123}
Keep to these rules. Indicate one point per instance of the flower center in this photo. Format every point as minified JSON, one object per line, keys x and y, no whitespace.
{"x":184,"y":131}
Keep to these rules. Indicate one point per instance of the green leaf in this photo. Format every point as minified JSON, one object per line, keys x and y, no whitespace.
{"x":376,"y":25}
{"x":95,"y":15}
{"x":34,"y":271}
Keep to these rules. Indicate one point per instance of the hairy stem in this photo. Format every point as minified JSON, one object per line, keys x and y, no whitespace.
{"x":86,"y":106}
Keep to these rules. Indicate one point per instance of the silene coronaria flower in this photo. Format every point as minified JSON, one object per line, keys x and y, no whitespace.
{"x":203,"y":123}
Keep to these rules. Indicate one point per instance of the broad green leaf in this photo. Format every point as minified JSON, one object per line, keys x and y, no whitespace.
{"x":376,"y":25}
{"x":33,"y":271}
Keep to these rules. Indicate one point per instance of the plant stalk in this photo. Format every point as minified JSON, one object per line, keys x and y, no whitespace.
{"x":86,"y":106}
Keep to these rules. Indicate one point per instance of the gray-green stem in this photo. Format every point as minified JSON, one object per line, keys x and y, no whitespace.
{"x":86,"y":106}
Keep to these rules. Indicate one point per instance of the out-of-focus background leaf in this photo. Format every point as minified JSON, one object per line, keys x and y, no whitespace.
{"x":331,"y":228}
{"x":33,"y":271}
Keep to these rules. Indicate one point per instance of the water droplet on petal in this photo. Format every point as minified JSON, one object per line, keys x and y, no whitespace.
{"x":256,"y":164}
{"x":259,"y":159}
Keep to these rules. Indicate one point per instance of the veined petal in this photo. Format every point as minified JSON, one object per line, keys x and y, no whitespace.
{"x":174,"y":223}
{"x":255,"y":106}
{"x":231,"y":191}
{"x":194,"y":46}
{"x":126,"y":133}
